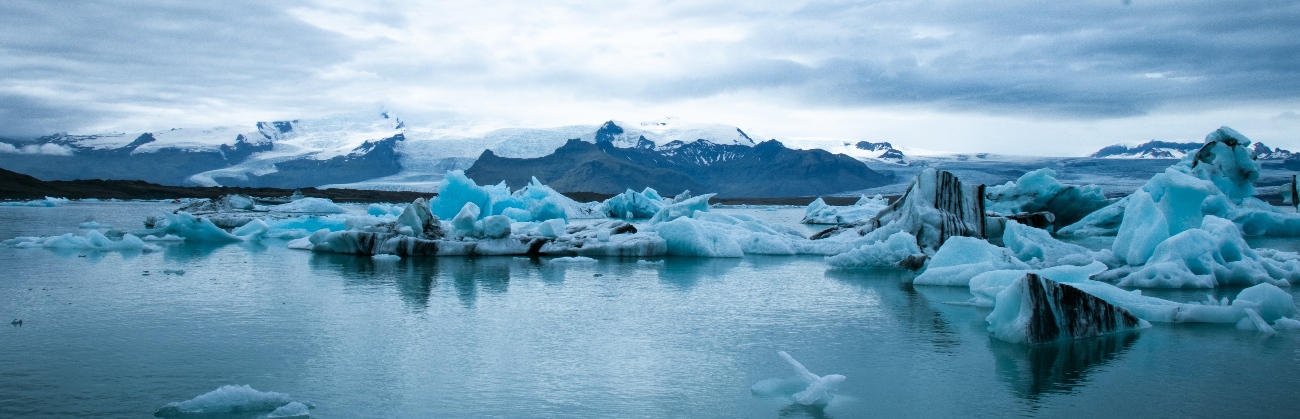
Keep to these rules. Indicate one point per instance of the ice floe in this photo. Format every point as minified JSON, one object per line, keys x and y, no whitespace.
{"x":92,"y":240}
{"x":232,"y":399}
{"x":47,"y":202}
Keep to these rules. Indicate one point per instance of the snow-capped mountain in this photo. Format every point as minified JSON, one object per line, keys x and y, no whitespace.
{"x":767,"y":169}
{"x":280,"y":153}
{"x":665,"y":132}
{"x":862,"y":150}
{"x":1176,"y":150}
{"x":1263,"y":152}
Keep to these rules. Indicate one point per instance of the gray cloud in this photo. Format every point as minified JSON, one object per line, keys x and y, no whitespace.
{"x":86,"y":65}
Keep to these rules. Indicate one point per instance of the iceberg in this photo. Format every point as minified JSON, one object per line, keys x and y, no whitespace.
{"x":820,"y":213}
{"x":309,"y":205}
{"x":1210,"y":256}
{"x":1039,"y":191}
{"x":633,"y":205}
{"x":92,"y":240}
{"x":539,"y":201}
{"x":224,"y":203}
{"x":883,"y":254}
{"x":936,"y":207}
{"x":1036,"y":310}
{"x":47,"y":202}
{"x":230,"y":399}
{"x":962,"y":258}
{"x":1217,"y":180}
{"x":191,"y":228}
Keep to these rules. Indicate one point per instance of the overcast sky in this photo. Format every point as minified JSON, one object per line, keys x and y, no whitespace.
{"x":1018,"y":77}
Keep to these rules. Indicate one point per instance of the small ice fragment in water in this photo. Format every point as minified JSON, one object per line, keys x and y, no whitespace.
{"x":573,"y":259}
{"x":174,"y":271}
{"x":386,"y":258}
{"x":227,"y":399}
{"x":291,"y":410}
{"x":819,"y":388}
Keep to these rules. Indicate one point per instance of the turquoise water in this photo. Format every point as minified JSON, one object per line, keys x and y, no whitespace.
{"x":112,"y":335}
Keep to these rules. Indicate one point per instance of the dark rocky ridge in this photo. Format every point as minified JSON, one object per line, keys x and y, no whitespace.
{"x":20,"y":186}
{"x":768,"y":169}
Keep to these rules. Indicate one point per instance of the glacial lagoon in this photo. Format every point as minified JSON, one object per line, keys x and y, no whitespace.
{"x":118,"y":334}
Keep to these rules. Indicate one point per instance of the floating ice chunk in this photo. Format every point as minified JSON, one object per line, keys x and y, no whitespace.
{"x":573,"y":259}
{"x":227,"y":399}
{"x":1036,"y":310}
{"x":1040,"y":191}
{"x":164,"y":238}
{"x":92,"y":240}
{"x":1144,"y":227}
{"x":986,"y":286}
{"x":92,"y":225}
{"x":820,"y":388}
{"x":254,"y":230}
{"x":540,"y":201}
{"x":1039,"y":248}
{"x":194,"y":229}
{"x":632,"y":204}
{"x":962,"y":258}
{"x":883,"y":254}
{"x":309,"y":205}
{"x":291,"y":410}
{"x":1253,"y":321}
{"x":1215,"y":181}
{"x":386,"y":258}
{"x":380,"y":210}
{"x":47,"y":202}
{"x":1286,"y":323}
{"x":689,"y":237}
{"x":818,"y":212}
{"x":935,"y":207}
{"x":682,"y":209}
{"x":464,"y":220}
{"x":224,"y":203}
{"x":1227,"y":161}
{"x":519,"y":214}
{"x":1210,"y":256}
{"x":1268,"y":301}
{"x":552,"y":228}
{"x":496,"y":226}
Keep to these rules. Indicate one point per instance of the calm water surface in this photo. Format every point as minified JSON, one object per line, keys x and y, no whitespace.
{"x":112,"y":335}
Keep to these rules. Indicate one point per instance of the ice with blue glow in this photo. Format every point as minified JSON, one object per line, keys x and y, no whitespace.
{"x":1216,"y":181}
{"x":92,"y":240}
{"x":533,"y":202}
{"x":47,"y":202}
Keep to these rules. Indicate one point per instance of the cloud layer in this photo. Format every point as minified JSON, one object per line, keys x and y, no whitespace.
{"x":151,"y":64}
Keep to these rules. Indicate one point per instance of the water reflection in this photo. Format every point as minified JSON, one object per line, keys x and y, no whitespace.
{"x":414,"y":280}
{"x":1032,"y":371}
{"x":910,"y":307}
{"x":796,"y":410}
{"x":684,"y":273}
